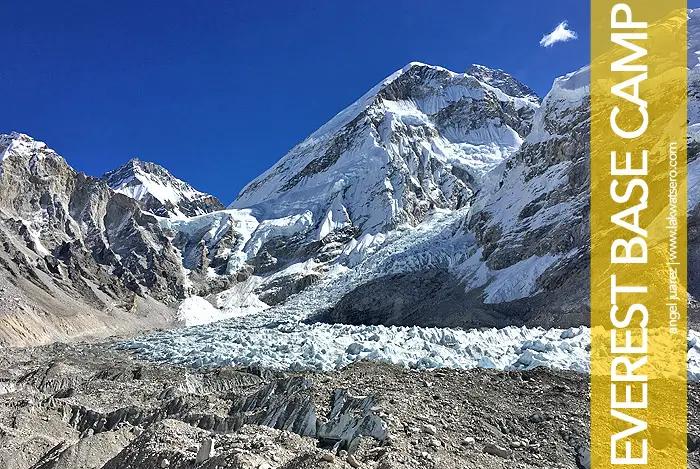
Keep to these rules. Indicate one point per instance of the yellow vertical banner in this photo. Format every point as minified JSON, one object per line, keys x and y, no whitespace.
{"x":638,"y":234}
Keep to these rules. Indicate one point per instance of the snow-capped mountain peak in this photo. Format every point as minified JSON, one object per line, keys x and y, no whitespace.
{"x":422,"y":138}
{"x":159,"y":191}
{"x":23,"y":146}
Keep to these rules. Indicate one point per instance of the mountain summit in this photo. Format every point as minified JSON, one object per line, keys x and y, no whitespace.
{"x":421,"y":139}
{"x":158,"y":191}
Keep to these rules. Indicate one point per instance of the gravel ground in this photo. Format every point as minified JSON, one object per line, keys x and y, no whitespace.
{"x":86,"y":406}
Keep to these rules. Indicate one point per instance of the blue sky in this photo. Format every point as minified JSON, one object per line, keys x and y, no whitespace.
{"x":217,"y":91}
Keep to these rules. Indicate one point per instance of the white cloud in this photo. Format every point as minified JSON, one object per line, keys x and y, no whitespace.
{"x":560,"y":34}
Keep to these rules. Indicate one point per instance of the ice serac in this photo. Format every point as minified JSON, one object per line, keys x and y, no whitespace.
{"x":158,"y":191}
{"x":422,"y":139}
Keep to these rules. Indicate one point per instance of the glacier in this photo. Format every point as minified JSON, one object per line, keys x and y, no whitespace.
{"x":300,"y":346}
{"x":295,"y":346}
{"x":242,"y":331}
{"x":420,"y":173}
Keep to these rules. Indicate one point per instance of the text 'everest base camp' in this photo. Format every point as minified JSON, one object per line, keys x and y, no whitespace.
{"x":408,"y":287}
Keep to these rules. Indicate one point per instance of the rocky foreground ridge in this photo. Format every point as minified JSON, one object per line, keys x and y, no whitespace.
{"x":88,"y":406}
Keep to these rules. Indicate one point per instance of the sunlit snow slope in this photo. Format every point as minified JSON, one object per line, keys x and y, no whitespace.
{"x":423,"y":138}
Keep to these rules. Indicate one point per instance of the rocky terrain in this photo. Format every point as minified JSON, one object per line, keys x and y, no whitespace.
{"x":76,"y":258}
{"x":89,"y":406}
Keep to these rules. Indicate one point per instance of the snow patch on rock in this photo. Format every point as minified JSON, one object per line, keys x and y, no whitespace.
{"x":518,"y":280}
{"x":195,"y":311}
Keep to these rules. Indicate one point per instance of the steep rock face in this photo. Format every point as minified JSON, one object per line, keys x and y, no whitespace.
{"x":536,"y":217}
{"x":537,"y":213}
{"x":158,"y":191}
{"x":65,"y":231}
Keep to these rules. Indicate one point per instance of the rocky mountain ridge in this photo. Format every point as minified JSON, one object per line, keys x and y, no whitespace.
{"x":425,"y":136}
{"x":436,"y":199}
{"x":77,"y":254}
